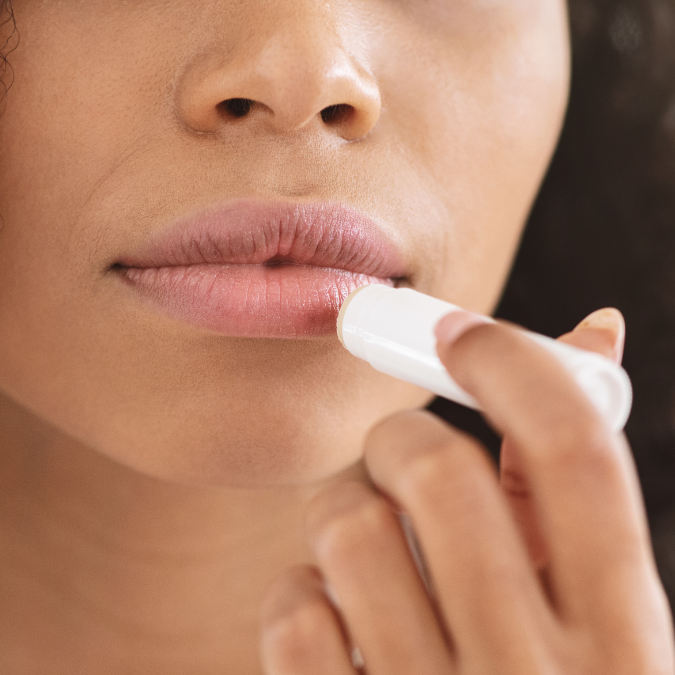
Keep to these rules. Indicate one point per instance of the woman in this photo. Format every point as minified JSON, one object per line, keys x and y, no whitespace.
{"x":189,"y":190}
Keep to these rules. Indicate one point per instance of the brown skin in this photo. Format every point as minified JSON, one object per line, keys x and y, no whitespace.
{"x":154,"y":476}
{"x":549,"y":570}
{"x":112,"y":131}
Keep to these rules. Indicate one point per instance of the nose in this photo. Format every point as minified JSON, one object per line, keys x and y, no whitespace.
{"x":289,"y":72}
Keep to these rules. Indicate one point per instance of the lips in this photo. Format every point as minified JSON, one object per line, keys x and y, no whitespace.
{"x":251,"y":269}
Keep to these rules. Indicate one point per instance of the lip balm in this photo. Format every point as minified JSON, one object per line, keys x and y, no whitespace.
{"x":393,"y":329}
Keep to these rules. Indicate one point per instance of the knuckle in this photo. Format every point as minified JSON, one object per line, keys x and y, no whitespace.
{"x":353,"y":525}
{"x":584,"y":446}
{"x":447,"y":467}
{"x":399,"y":430}
{"x":294,"y":585}
{"x":293,"y":635}
{"x":423,"y":469}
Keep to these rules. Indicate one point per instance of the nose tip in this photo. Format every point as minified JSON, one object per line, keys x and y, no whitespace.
{"x":287,"y":84}
{"x":338,"y":94}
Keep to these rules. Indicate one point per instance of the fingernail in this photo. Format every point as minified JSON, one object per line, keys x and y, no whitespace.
{"x":610,"y":319}
{"x":455,"y":324}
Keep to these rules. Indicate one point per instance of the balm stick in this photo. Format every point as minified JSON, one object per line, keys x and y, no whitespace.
{"x":393,"y":329}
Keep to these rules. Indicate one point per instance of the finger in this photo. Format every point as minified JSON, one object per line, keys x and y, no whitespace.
{"x":486,"y":587}
{"x":363,"y":554}
{"x":603,"y":332}
{"x":516,"y":489}
{"x":301,"y":632}
{"x":575,"y":467}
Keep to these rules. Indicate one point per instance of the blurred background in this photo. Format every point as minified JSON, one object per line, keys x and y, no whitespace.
{"x":602,"y":232}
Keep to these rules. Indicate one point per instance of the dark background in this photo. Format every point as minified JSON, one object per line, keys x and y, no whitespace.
{"x":602,"y":232}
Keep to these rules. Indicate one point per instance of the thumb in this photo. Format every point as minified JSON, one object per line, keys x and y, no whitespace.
{"x":603,"y":332}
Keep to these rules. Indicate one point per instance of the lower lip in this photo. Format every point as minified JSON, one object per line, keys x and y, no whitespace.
{"x":260,"y":301}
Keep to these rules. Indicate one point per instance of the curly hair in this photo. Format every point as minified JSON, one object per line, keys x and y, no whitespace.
{"x":9,"y":41}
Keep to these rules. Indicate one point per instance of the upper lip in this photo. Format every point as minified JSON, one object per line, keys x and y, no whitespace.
{"x":318,"y":234}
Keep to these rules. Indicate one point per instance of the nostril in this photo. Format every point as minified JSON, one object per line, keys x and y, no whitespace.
{"x":236,"y":107}
{"x":336,"y":114}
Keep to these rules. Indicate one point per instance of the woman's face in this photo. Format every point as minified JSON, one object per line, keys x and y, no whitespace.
{"x":172,"y":256}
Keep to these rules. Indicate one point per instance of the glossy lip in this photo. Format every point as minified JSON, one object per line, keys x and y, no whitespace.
{"x":260,"y":269}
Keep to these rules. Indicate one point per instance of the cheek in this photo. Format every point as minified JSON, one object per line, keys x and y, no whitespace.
{"x":483,"y":103}
{"x":471,"y":116}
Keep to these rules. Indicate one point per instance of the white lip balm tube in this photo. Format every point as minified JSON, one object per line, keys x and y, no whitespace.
{"x":393,"y":329}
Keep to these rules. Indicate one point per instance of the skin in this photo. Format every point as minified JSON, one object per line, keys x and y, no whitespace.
{"x":154,"y":477}
{"x":135,"y":140}
{"x":548,"y":572}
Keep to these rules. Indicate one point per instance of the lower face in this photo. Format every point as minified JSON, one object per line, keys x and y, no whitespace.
{"x":229,"y":372}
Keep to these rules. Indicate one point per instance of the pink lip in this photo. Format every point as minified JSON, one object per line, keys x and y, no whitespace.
{"x":252,"y":269}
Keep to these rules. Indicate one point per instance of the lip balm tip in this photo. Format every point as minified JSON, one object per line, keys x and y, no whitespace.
{"x":339,"y":329}
{"x":343,"y":310}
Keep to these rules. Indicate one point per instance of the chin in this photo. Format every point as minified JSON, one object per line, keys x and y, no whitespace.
{"x":271,"y":448}
{"x":243,"y":462}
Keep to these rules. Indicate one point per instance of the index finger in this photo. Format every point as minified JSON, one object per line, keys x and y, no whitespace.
{"x":576,"y":467}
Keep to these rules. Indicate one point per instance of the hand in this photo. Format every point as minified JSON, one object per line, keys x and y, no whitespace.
{"x":550,"y":572}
